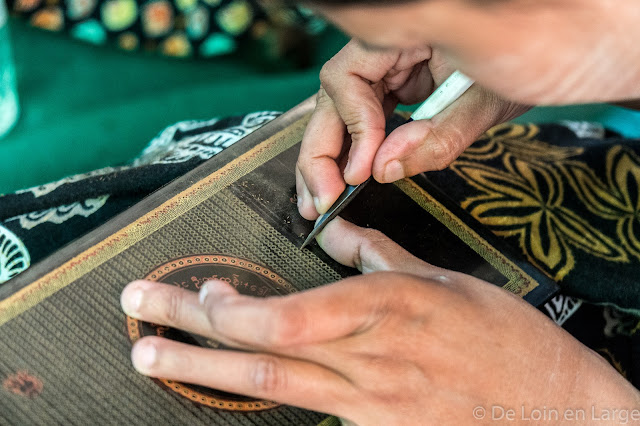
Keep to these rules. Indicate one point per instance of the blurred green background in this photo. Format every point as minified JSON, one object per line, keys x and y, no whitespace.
{"x":85,"y":107}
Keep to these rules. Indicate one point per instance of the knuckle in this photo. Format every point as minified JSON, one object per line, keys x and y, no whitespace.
{"x":268,"y":376}
{"x":288,"y":326}
{"x":444,"y":149}
{"x":216,"y":318}
{"x":322,"y":97}
{"x":373,"y":240}
{"x":373,"y":245}
{"x":356,"y":124}
{"x":306,"y":164}
{"x":373,"y":237}
{"x":173,"y":309}
{"x":326,"y":73}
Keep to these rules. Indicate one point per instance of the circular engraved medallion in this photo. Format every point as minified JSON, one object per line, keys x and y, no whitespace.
{"x":191,"y":273}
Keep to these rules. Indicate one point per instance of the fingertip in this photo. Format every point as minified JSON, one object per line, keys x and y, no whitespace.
{"x":140,"y":284}
{"x":304,"y":202}
{"x":391,"y":172}
{"x":331,"y":191}
{"x":216,"y":289}
{"x":348,"y":171}
{"x":309,"y":214}
{"x":322,"y":204}
{"x":327,"y":192}
{"x":131,"y":302}
{"x":329,"y":231}
{"x":361,"y":157}
{"x":366,"y":249}
{"x":144,"y":355}
{"x":339,"y":240}
{"x":321,"y":236}
{"x":132,"y":295}
{"x":204,"y":293}
{"x":355,"y":176}
{"x":402,"y":149}
{"x":319,"y":205}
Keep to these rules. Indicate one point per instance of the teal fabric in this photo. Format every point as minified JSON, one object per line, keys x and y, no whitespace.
{"x":86,"y":107}
{"x":622,"y":120}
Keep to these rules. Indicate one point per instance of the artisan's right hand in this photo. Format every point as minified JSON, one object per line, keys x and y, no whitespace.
{"x":407,"y":343}
{"x":345,"y":140}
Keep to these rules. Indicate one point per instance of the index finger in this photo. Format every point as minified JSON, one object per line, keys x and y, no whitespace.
{"x":349,"y":101}
{"x":322,"y":314}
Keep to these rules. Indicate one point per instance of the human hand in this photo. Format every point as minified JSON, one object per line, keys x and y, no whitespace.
{"x":345,"y":139}
{"x":406,"y":343}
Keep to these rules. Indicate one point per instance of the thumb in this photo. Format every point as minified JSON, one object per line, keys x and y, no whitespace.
{"x":370,"y":250}
{"x":426,"y":145}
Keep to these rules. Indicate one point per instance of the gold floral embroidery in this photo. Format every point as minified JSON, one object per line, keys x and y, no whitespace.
{"x":526,"y":201}
{"x":618,"y":199}
{"x":518,"y":140}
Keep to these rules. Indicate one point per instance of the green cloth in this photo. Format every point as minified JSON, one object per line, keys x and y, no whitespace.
{"x":86,"y":107}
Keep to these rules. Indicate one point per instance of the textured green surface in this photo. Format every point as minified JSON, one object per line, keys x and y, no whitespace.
{"x":86,"y":107}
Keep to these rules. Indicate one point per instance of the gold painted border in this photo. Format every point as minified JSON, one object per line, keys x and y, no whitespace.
{"x":519,"y":283}
{"x":175,"y":207}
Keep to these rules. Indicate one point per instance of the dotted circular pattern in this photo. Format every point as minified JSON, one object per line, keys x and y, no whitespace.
{"x":191,"y":272}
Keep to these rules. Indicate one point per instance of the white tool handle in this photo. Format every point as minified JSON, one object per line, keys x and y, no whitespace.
{"x":446,"y":94}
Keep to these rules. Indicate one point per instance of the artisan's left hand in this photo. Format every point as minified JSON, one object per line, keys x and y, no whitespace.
{"x":406,"y":344}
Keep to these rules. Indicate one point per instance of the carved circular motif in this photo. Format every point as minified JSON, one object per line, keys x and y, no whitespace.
{"x":191,"y":273}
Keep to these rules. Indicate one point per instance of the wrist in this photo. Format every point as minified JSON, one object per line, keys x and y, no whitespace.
{"x":608,"y":396}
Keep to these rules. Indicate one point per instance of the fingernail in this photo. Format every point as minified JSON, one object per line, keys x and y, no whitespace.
{"x":393,"y":171}
{"x":204,"y":292}
{"x":316,"y":202}
{"x":144,"y":357}
{"x":215,"y":287}
{"x":347,"y":168}
{"x":131,"y":305}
